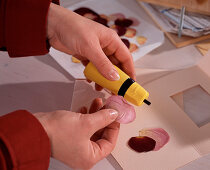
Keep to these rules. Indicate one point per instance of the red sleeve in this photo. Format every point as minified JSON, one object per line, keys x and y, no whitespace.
{"x":23,"y":27}
{"x":24,"y":144}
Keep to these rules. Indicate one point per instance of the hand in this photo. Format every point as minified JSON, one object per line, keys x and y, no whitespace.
{"x":96,"y":105}
{"x":88,"y":41}
{"x":76,"y":139}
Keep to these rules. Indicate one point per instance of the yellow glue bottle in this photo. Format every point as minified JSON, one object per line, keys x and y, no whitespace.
{"x":125,"y":86}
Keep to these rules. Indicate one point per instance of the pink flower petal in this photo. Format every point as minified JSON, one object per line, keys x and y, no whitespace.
{"x":141,"y":40}
{"x":135,"y":21}
{"x":126,"y":111}
{"x":158,"y":134}
{"x":115,"y":16}
{"x":130,"y":32}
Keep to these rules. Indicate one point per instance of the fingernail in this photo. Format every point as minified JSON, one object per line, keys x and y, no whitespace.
{"x":113,"y":114}
{"x":114,"y":74}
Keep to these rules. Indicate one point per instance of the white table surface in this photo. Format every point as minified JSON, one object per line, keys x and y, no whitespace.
{"x":40,"y":84}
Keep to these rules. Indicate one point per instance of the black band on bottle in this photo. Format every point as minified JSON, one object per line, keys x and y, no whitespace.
{"x":127,"y":83}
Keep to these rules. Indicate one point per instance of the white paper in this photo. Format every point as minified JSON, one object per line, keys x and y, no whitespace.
{"x":75,"y":69}
{"x":202,"y":163}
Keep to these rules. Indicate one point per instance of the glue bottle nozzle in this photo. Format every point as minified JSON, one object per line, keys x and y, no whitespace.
{"x":147,"y":102}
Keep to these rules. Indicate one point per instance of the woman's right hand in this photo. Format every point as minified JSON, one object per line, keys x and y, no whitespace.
{"x":72,"y":135}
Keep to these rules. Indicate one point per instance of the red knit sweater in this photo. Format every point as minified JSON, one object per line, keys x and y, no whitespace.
{"x":24,"y":144}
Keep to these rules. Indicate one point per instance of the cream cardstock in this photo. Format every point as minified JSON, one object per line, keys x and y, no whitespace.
{"x":187,"y":141}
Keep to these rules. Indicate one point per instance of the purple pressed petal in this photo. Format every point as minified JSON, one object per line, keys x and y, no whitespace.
{"x":102,"y":21}
{"x":83,"y":10}
{"x":142,"y":144}
{"x":126,"y":42}
{"x":123,"y":22}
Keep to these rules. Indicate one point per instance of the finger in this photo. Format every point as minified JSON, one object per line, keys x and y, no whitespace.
{"x":99,"y":120}
{"x":102,"y":63}
{"x":96,"y":105}
{"x":96,"y":136}
{"x":122,"y":54}
{"x":85,"y":62}
{"x":114,"y":60}
{"x":104,"y":146}
{"x":98,"y":87}
{"x":111,"y":132}
{"x":83,"y":110}
{"x":99,"y":133}
{"x":89,"y":81}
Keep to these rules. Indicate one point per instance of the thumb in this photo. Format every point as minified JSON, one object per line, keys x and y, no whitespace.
{"x":103,"y":64}
{"x":101,"y":119}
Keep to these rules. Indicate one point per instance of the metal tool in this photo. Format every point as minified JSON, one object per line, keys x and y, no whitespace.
{"x":181,"y":21}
